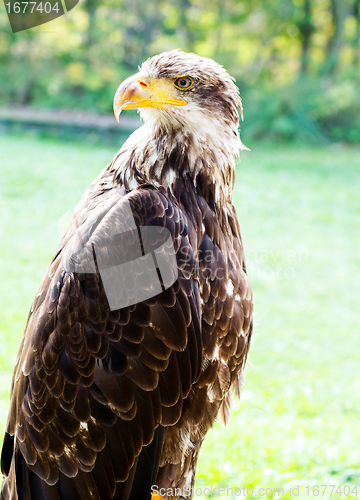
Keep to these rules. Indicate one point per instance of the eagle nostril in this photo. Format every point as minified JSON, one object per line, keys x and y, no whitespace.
{"x":143,"y":84}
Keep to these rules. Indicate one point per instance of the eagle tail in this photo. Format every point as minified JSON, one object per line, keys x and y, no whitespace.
{"x":148,"y":466}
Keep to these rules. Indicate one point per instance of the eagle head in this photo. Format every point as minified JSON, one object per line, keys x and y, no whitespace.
{"x":190,"y":106}
{"x":179,"y":89}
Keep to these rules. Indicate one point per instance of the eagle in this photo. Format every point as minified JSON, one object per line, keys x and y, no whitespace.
{"x":142,"y":324}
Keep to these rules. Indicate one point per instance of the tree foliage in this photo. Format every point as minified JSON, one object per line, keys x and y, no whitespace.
{"x":296,"y":62}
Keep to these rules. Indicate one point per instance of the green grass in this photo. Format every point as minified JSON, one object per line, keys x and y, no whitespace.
{"x":299,"y":210}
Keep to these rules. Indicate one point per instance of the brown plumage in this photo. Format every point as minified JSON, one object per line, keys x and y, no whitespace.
{"x":107,"y":402}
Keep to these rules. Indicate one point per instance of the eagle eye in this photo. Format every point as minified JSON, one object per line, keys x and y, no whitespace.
{"x":183,"y":83}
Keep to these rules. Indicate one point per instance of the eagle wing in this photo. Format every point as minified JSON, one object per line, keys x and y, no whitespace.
{"x":96,"y":387}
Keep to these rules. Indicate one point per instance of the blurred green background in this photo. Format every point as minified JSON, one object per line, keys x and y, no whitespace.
{"x":297,"y":64}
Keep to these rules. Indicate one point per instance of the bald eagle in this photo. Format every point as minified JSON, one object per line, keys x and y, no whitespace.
{"x":125,"y":361}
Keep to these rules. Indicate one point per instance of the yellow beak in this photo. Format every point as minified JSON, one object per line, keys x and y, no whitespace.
{"x":142,"y":91}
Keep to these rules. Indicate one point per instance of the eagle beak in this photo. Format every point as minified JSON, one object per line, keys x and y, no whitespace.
{"x":142,"y":91}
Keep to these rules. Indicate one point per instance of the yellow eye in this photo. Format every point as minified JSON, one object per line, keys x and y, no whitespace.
{"x":183,"y":83}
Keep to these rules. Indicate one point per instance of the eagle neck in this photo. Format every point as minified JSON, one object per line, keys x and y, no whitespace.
{"x":160,"y":155}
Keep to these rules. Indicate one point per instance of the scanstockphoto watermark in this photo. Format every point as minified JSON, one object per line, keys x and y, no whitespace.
{"x":213,"y":491}
{"x":280,"y":264}
{"x":138,"y":263}
{"x":24,"y":15}
{"x":289,"y":490}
